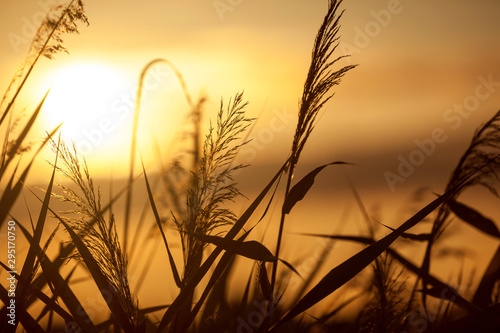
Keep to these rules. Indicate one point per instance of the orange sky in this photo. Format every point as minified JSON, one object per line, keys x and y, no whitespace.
{"x":417,"y":60}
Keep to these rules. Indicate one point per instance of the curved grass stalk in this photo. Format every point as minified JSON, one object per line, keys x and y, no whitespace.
{"x":135,"y":126}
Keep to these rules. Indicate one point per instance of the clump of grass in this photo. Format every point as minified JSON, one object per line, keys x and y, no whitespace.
{"x":481,"y":158}
{"x":212,"y":183}
{"x":387,"y":309}
{"x":99,"y":235}
{"x":212,"y":186}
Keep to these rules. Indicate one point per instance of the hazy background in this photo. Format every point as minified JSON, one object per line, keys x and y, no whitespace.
{"x":414,"y":65}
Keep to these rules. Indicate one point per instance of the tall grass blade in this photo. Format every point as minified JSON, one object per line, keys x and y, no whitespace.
{"x":474,"y":218}
{"x":147,"y":266}
{"x":249,"y":249}
{"x":23,"y":134}
{"x":362,"y":207}
{"x":113,"y":303}
{"x":177,"y":278}
{"x":28,"y":270}
{"x":270,"y":200}
{"x":11,"y":193}
{"x":483,"y":294}
{"x":416,"y":237}
{"x":264,"y":283}
{"x":352,"y":266}
{"x":246,"y":293}
{"x":152,"y":309}
{"x":135,"y":127}
{"x":62,"y":289}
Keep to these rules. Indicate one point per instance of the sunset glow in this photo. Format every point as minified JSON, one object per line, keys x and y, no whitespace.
{"x":85,"y":99}
{"x":250,"y":166}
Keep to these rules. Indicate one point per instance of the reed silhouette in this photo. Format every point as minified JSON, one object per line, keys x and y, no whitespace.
{"x":191,"y":195}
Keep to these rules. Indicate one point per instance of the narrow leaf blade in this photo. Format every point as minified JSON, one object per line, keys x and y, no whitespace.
{"x":483,"y":294}
{"x":338,"y":276}
{"x":433,"y":281}
{"x":24,"y":132}
{"x":249,"y":249}
{"x":474,"y":218}
{"x":158,"y":222}
{"x":100,"y":280}
{"x":299,"y":190}
{"x":64,"y":291}
{"x":191,"y":285}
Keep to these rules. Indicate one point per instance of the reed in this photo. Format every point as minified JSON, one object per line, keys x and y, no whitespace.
{"x":188,"y":205}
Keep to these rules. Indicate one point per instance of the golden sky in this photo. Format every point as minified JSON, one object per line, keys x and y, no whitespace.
{"x":428,"y":75}
{"x":418,"y":60}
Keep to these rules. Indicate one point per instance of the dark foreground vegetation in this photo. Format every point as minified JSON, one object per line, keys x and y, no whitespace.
{"x":192,"y":194}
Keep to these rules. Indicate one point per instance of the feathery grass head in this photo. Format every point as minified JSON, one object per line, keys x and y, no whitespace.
{"x":98,"y":235}
{"x":320,"y":78}
{"x":212,"y":183}
{"x":481,"y":160}
{"x":483,"y":155}
{"x":61,"y":19}
{"x":386,"y":310}
{"x":47,"y":42}
{"x":484,"y":148}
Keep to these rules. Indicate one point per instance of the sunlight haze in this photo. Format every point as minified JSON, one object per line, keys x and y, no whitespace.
{"x":197,"y":127}
{"x":413,"y":64}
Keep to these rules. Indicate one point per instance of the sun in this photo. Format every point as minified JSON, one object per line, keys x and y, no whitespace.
{"x":92,"y":101}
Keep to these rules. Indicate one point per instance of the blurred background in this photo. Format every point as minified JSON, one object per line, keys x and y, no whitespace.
{"x":428,"y":76}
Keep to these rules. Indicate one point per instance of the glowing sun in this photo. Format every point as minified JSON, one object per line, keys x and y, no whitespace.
{"x":91,"y":101}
